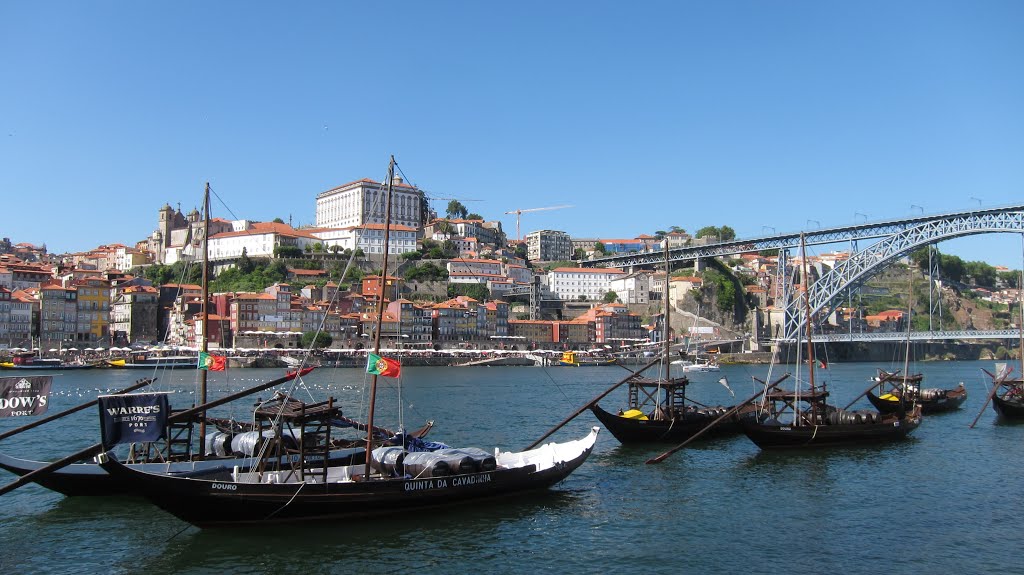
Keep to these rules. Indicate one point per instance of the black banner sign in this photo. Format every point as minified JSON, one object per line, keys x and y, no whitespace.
{"x":133,"y":418}
{"x":24,"y":395}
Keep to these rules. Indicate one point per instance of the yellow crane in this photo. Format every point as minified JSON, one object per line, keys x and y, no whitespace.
{"x":518,"y":212}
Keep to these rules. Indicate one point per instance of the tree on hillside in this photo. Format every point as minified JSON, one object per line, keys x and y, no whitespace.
{"x":316,"y":340}
{"x":245,"y":264}
{"x":724,"y":233}
{"x":278,"y":221}
{"x":456,"y":209}
{"x":474,"y":216}
{"x":1010,"y":279}
{"x":610,"y":297}
{"x":599,"y":248}
{"x":478,"y":292}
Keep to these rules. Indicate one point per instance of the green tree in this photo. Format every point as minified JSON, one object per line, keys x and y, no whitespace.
{"x":610,"y":297}
{"x":724,"y":233}
{"x":278,"y":221}
{"x":599,"y":248}
{"x":245,"y":265}
{"x":474,"y":216}
{"x":276,"y":272}
{"x":456,"y":209}
{"x":478,"y":292}
{"x":1010,"y":279}
{"x":316,"y":340}
{"x":287,"y":252}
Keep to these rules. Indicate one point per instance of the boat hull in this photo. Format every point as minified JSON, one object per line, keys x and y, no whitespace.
{"x":1008,"y":408}
{"x":628,"y":430}
{"x":211,"y":503}
{"x":770,"y":436}
{"x":951,"y":401}
{"x":89,"y":479}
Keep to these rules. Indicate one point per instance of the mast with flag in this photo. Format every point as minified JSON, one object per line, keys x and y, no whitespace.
{"x":380,"y":316}
{"x":205,"y":314}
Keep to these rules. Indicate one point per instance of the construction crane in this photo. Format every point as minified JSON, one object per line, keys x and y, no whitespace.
{"x":518,"y":212}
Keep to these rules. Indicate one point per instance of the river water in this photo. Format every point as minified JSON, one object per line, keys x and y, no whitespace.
{"x":945,"y":500}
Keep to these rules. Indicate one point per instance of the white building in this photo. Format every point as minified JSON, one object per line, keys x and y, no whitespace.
{"x":632,"y":288}
{"x":369,"y":238}
{"x":363,"y":202}
{"x":517,"y":273}
{"x":591,"y":283}
{"x":258,"y":239}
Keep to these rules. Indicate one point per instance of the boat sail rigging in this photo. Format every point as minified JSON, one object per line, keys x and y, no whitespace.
{"x":802,"y":418}
{"x":1007,"y":394}
{"x":393,"y":479}
{"x":658,"y":409}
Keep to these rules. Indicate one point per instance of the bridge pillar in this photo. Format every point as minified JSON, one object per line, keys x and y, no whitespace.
{"x":699,"y":265}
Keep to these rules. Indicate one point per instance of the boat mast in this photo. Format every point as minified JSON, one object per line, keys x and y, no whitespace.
{"x":667,"y":345}
{"x":1020,"y":299}
{"x":807,"y":319}
{"x":204,"y":314}
{"x":906,"y":358}
{"x":380,"y":313}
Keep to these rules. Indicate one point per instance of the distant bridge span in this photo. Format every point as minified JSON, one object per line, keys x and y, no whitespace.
{"x":918,"y":335}
{"x":864,"y":231}
{"x":898,"y":237}
{"x":866,"y":263}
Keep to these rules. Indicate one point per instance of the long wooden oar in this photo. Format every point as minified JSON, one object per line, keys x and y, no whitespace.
{"x":728,"y":413}
{"x":94,"y":449}
{"x":576,"y":413}
{"x":138,"y":385}
{"x":995,"y":388}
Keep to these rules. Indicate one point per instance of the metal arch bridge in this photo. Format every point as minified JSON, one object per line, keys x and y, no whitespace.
{"x":853,"y":233}
{"x":824,"y":294}
{"x":898,"y":237}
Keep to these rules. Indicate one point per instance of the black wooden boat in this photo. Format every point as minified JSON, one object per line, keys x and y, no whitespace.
{"x":398,"y":479}
{"x":787,"y":424}
{"x":228,"y":496}
{"x":1009,"y":406}
{"x":1008,"y":395}
{"x":658,"y":411}
{"x":931,"y":400}
{"x":802,"y":419}
{"x":89,"y":479}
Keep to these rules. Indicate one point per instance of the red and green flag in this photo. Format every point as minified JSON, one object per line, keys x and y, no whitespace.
{"x":211,"y":362}
{"x":378,"y":365}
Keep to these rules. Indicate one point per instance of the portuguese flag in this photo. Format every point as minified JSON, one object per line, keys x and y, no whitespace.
{"x":378,"y":365}
{"x":212,"y":362}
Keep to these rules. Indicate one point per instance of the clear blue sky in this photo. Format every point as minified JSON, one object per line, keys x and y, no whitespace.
{"x":642,"y":115}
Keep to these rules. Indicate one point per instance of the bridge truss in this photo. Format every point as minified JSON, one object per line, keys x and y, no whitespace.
{"x":826,"y":293}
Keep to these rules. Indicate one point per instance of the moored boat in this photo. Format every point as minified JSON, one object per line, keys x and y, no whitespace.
{"x":392,"y":479}
{"x":931,"y":400}
{"x":228,"y":496}
{"x":658,"y":411}
{"x":801,"y":418}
